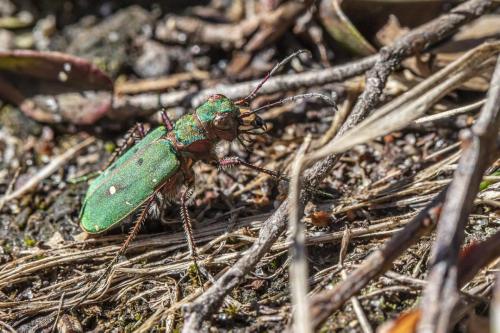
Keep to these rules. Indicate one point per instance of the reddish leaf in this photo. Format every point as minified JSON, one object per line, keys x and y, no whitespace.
{"x":54,"y":87}
{"x":55,"y":66}
{"x":321,"y":218}
{"x":405,"y":323}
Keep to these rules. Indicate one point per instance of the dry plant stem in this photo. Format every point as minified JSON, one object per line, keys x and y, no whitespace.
{"x":386,"y":120}
{"x":288,"y":82}
{"x":358,"y":309}
{"x":338,"y":120}
{"x":10,"y":186}
{"x":158,"y":84}
{"x":451,"y":113}
{"x":326,"y":302}
{"x":47,"y":170}
{"x":58,"y":313}
{"x":7,"y":327}
{"x":480,"y":149}
{"x":299,"y":282}
{"x":413,"y":43}
{"x":476,"y":257}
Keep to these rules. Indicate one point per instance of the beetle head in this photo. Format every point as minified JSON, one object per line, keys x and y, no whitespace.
{"x":223,"y":118}
{"x":220,"y":116}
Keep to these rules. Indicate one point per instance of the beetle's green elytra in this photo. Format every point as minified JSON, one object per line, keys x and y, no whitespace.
{"x":117,"y":194}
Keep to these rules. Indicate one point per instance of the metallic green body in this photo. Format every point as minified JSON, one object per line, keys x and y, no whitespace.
{"x":187,"y":130}
{"x":128,"y":182}
{"x":208,"y":110}
{"x":155,"y":160}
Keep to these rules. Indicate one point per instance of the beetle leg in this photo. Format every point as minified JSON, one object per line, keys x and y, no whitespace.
{"x":235,"y":160}
{"x":133,"y":135}
{"x":188,"y":230}
{"x":136,"y":133}
{"x":133,"y":232}
{"x":166,"y":120}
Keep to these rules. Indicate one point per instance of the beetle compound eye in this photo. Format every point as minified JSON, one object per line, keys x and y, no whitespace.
{"x":259,"y":123}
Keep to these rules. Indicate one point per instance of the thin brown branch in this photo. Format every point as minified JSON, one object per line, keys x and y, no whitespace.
{"x":149,"y":103}
{"x":480,"y":149}
{"x":476,"y":256}
{"x":473,"y":258}
{"x":412,"y":43}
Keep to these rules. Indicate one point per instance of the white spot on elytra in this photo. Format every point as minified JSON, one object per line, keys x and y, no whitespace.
{"x":154,"y":180}
{"x":62,"y":76}
{"x":128,"y":203}
{"x":96,"y":227}
{"x":112,"y":190}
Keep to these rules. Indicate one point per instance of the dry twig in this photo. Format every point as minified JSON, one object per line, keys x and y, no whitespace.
{"x":480,"y":149}
{"x":46,"y":171}
{"x":299,"y":286}
{"x":149,"y":103}
{"x":325,"y":303}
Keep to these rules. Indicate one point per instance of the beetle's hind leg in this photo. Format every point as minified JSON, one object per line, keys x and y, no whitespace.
{"x":133,"y":135}
{"x":133,"y":233}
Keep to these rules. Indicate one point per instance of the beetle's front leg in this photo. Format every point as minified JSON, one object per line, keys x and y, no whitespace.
{"x":133,"y":135}
{"x":235,"y":160}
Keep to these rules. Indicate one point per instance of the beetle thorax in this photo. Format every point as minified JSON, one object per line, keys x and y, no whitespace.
{"x":213,"y":121}
{"x":190,"y":137}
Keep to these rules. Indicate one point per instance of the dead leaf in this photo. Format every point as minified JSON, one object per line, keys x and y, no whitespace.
{"x":342,"y":30}
{"x":321,"y":218}
{"x":405,"y":323}
{"x":54,"y":87}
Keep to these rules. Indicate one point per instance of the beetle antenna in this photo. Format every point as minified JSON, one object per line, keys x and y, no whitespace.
{"x":250,"y":96}
{"x":329,"y":100}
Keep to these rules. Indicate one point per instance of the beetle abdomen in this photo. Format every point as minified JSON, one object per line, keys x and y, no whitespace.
{"x":120,"y":191}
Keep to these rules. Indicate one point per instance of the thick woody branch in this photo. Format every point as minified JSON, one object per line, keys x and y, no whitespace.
{"x":480,"y":149}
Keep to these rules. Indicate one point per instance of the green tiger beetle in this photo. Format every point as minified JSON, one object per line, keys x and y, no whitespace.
{"x":138,"y":176}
